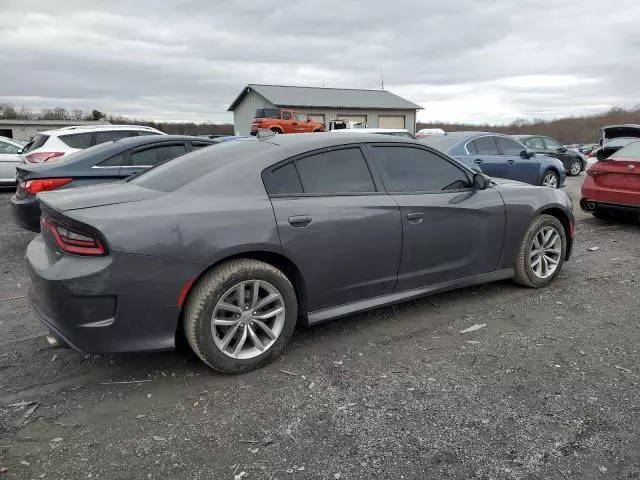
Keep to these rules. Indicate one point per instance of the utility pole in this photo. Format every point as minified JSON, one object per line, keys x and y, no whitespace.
{"x":381,"y":78}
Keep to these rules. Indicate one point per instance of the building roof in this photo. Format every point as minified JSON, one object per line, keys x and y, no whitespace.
{"x":51,"y":122}
{"x":291,"y":96}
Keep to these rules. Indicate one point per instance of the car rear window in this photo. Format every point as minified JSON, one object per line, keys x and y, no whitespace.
{"x":631,"y":151}
{"x":267,"y":113}
{"x":442,"y":143}
{"x":77,"y":140}
{"x":37,"y":142}
{"x":181,"y":171}
{"x":619,"y":142}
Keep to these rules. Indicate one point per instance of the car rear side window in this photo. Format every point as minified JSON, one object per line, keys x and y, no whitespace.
{"x":267,"y":113}
{"x":408,"y":169}
{"x":77,"y":140}
{"x":102,"y":137}
{"x":335,"y":172}
{"x":487,"y":145}
{"x":283,"y":180}
{"x":471,"y":148}
{"x":146,"y":133}
{"x":508,"y":146}
{"x":115,"y":161}
{"x":155,"y":155}
{"x":37,"y":142}
{"x":286,"y":115}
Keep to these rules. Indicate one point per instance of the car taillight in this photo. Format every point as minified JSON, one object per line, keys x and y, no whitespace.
{"x":72,"y":241}
{"x":43,"y":185}
{"x":40,"y":157}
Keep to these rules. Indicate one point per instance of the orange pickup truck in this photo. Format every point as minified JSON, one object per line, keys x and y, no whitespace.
{"x":282,"y":120}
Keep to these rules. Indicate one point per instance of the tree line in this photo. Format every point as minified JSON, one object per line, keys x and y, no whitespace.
{"x":568,"y":130}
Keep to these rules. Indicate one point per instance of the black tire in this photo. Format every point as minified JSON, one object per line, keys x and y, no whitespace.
{"x":548,"y":173}
{"x":575,"y":165}
{"x":205,"y":295}
{"x":524,"y":274}
{"x":276,"y":131}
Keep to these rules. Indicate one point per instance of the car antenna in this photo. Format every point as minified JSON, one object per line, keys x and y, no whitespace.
{"x":264,"y":133}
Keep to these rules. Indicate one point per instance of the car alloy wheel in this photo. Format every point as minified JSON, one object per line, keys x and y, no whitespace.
{"x":545,"y":252}
{"x":550,"y":180}
{"x":248,"y":319}
{"x":575,"y":167}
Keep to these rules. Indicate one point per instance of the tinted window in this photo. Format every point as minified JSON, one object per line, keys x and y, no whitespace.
{"x":267,"y":113}
{"x":78,"y":140}
{"x":536,"y":143}
{"x":487,"y":146}
{"x":155,"y":155}
{"x":631,"y":151}
{"x":340,"y":171}
{"x":8,"y":148}
{"x":283,"y":180}
{"x":170,"y":176}
{"x":102,"y":137}
{"x":552,"y":144}
{"x":471,"y":148}
{"x":143,"y":134}
{"x":36,"y":143}
{"x":300,"y":117}
{"x":406,"y":169}
{"x":286,"y":115}
{"x":114,"y":161}
{"x":441,"y":142}
{"x":508,"y":146}
{"x":620,"y":142}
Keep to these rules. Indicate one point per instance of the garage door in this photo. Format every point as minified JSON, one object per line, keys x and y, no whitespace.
{"x":317,"y":118}
{"x":391,"y":122}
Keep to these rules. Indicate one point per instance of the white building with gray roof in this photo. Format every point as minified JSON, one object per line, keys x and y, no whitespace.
{"x":376,"y":108}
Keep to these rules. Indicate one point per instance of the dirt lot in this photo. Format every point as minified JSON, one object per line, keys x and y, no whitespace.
{"x":550,"y":388}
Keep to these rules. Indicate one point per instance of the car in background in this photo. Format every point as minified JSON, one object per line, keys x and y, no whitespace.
{"x":500,"y":156}
{"x":284,"y":120}
{"x":9,"y":160}
{"x":108,"y":162}
{"x":395,"y":132}
{"x":612,"y":146}
{"x":428,"y":132}
{"x":574,"y":162}
{"x":54,"y":144}
{"x":613,"y":183}
{"x":619,"y":131}
{"x":232,"y":138}
{"x":237,"y":244}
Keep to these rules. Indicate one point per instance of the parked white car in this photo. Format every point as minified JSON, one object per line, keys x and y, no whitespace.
{"x":9,"y":160}
{"x":54,"y":144}
{"x":428,"y":132}
{"x":396,"y":132}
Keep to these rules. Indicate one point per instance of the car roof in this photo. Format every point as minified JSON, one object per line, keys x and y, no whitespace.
{"x":10,"y":140}
{"x":98,"y":128}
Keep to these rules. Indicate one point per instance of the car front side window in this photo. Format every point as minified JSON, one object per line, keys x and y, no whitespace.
{"x":552,"y":144}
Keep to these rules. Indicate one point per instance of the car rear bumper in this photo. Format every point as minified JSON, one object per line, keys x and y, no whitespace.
{"x":111,"y":304}
{"x":594,"y":196}
{"x":26,"y":212}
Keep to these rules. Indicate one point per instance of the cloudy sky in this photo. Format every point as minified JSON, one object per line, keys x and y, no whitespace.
{"x":464,"y":60}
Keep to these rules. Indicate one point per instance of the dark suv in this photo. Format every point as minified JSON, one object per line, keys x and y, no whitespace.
{"x":574,"y":162}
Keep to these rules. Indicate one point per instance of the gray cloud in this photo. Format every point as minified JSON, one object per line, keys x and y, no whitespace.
{"x":188,"y":59}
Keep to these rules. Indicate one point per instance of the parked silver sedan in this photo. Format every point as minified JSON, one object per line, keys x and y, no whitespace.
{"x":9,"y":160}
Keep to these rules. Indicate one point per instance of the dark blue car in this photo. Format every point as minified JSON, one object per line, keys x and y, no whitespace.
{"x":500,"y":156}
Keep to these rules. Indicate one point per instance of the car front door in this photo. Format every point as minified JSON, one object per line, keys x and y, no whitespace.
{"x":287,"y":122}
{"x":556,"y":149}
{"x":145,"y":157}
{"x":339,"y":227}
{"x":300,"y":122}
{"x":484,"y":153}
{"x":519,"y":167}
{"x":450,"y":231}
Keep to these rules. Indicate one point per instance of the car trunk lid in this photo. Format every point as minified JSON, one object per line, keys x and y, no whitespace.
{"x":617,"y":131}
{"x":621,"y":173}
{"x":97,"y":196}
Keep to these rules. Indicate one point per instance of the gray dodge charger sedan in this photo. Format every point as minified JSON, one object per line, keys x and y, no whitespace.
{"x":232,"y":246}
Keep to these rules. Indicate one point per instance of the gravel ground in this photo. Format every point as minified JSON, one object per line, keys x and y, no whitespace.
{"x":548,"y":389}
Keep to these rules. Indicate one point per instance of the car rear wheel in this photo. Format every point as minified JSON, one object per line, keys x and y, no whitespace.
{"x":542,"y":252}
{"x":276,"y":131}
{"x":575,"y":167}
{"x":240,"y":315}
{"x":550,"y":179}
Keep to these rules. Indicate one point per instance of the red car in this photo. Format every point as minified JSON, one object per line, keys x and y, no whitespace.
{"x":613,"y":183}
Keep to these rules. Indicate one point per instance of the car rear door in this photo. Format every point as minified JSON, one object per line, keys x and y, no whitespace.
{"x":485,"y":154}
{"x":337,"y":225}
{"x":145,"y":157}
{"x":518,"y":167}
{"x":449,"y":230}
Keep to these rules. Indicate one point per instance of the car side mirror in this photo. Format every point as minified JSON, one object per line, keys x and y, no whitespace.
{"x":526,"y":154}
{"x":20,"y":150}
{"x":561,"y":149}
{"x":480,"y":181}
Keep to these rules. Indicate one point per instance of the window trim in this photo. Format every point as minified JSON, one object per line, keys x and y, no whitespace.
{"x":481,"y":136}
{"x":374,"y":179}
{"x":465,"y":171}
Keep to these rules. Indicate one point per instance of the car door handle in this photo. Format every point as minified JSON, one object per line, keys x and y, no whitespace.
{"x":511,"y":162}
{"x":478,"y":161}
{"x":299,"y":220}
{"x":415,"y":217}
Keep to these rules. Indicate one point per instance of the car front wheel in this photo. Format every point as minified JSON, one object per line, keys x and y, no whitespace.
{"x":542,"y":252}
{"x":575,"y":167}
{"x":240,"y":315}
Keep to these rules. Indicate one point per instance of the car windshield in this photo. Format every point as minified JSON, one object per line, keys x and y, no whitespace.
{"x":178,"y":172}
{"x":441,"y":142}
{"x":267,"y":113}
{"x":631,"y":151}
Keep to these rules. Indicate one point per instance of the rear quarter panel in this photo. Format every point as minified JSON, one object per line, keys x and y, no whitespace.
{"x":522,"y":204}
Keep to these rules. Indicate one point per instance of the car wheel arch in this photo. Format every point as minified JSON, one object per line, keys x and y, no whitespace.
{"x":277,"y":260}
{"x":564,"y":220}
